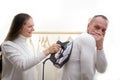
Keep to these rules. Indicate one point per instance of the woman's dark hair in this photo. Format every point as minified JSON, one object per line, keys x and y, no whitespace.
{"x":0,"y":62}
{"x":18,"y":21}
{"x":0,"y":48}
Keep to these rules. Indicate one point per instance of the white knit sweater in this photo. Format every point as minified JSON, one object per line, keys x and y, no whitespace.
{"x":19,"y":60}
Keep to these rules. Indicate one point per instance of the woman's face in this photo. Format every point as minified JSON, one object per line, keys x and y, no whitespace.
{"x":27,"y":28}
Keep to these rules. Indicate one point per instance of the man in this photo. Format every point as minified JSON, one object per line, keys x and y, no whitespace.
{"x":87,"y":54}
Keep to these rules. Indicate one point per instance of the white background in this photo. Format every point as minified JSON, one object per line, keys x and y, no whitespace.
{"x":69,"y":15}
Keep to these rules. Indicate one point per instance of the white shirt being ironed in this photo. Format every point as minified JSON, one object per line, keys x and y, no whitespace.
{"x":19,"y":59}
{"x":84,"y":59}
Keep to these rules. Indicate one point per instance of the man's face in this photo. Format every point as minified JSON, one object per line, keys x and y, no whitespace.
{"x":97,"y":27}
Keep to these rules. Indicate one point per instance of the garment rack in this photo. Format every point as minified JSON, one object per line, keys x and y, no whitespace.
{"x":38,"y":32}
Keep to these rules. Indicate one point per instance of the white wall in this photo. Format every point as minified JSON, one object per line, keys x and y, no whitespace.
{"x":69,"y":15}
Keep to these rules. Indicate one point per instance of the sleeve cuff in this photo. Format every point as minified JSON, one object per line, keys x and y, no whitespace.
{"x":100,"y":51}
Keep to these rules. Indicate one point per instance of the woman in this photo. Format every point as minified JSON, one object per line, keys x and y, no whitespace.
{"x":18,"y":59}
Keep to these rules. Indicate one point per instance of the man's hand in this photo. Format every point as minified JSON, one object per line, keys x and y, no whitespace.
{"x":99,"y":41}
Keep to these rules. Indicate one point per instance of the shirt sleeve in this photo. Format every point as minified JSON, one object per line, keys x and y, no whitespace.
{"x":20,"y":61}
{"x":87,"y":56}
{"x":101,"y":62}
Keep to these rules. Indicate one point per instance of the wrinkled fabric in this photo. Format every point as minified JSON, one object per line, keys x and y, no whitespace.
{"x":84,"y":59}
{"x":19,"y":60}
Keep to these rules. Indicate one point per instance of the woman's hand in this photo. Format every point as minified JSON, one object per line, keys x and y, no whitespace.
{"x":52,"y":49}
